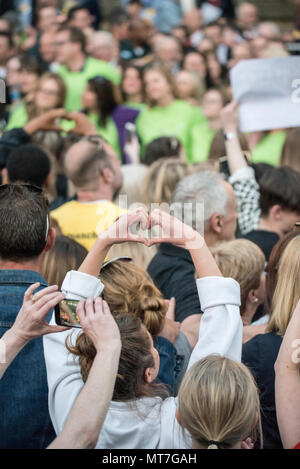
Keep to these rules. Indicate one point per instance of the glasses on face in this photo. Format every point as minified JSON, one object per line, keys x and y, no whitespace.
{"x":31,"y":188}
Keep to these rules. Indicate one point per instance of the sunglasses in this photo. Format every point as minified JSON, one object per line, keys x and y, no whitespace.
{"x":30,"y":187}
{"x":123,"y":259}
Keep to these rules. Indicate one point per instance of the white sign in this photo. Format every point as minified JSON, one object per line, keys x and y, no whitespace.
{"x":268,"y":91}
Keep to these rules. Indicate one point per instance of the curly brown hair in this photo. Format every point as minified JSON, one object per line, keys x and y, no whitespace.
{"x":128,"y":289}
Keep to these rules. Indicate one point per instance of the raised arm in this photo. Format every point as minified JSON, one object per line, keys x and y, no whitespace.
{"x":242,"y":176}
{"x":287,"y":383}
{"x":221,"y":327}
{"x":84,"y":423}
{"x":118,"y":232}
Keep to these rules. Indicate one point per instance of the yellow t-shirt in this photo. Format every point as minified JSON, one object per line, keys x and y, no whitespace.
{"x":83,"y":222}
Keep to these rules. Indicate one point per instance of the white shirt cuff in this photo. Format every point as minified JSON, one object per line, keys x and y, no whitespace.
{"x":241,"y":174}
{"x":80,"y":286}
{"x":228,"y":292}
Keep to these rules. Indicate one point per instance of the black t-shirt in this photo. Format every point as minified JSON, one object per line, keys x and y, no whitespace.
{"x":260,"y":355}
{"x":266,"y":240}
{"x":173,"y":272}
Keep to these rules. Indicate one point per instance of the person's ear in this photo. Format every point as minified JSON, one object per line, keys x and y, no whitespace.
{"x":149,"y":375}
{"x":252,"y":297}
{"x":275,"y":212}
{"x":216,"y":223}
{"x":107,"y":175}
{"x":4,"y":175}
{"x":50,"y":239}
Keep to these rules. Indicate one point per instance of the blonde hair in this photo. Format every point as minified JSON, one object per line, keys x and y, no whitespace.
{"x":287,"y":291}
{"x":139,"y":253}
{"x":65,"y":255}
{"x":133,"y":175}
{"x":128,"y":289}
{"x":166,"y":72}
{"x":162,"y":178}
{"x":218,"y":403}
{"x":243,"y":261}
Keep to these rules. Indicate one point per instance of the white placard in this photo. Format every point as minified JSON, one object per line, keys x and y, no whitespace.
{"x":268,"y":91}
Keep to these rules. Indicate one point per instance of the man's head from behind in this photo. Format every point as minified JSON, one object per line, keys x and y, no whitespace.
{"x":280,"y":198}
{"x":209,"y":189}
{"x":27,"y":164}
{"x":93,"y":166}
{"x":24,"y":223}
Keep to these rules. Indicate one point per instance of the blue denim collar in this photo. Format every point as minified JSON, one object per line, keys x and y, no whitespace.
{"x":21,"y":277}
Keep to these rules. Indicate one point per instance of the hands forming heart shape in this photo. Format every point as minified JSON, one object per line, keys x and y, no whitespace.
{"x":160,"y":227}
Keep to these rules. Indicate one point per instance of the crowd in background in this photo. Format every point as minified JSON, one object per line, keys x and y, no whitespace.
{"x":113,"y":114}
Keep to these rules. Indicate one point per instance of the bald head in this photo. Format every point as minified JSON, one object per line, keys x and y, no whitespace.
{"x":84,"y":162}
{"x":103,"y":46}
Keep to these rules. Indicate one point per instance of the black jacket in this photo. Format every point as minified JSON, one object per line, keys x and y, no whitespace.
{"x":173,"y":272}
{"x":260,"y":355}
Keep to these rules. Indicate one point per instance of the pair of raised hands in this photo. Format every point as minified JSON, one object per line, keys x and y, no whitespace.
{"x":50,"y":121}
{"x":155,"y":228}
{"x":95,"y":318}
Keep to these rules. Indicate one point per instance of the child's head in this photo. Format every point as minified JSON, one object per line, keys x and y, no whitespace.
{"x":243,"y":261}
{"x":138,"y":365}
{"x":218,"y":402}
{"x":130,"y":290}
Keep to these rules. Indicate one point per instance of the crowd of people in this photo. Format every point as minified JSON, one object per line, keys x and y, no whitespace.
{"x":128,"y":190}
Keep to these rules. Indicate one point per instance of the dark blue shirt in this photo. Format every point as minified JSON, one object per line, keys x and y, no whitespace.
{"x":24,"y":414}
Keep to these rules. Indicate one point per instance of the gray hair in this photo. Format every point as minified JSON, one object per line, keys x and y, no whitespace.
{"x":204,"y":190}
{"x":107,"y":36}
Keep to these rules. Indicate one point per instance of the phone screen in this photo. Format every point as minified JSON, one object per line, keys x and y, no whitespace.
{"x":65,"y":313}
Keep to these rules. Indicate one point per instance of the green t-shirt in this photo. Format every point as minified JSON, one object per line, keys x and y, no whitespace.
{"x":202,"y":137}
{"x":76,"y":81}
{"x":18,"y":117}
{"x":176,"y":120}
{"x":268,"y":150}
{"x":109,"y":132}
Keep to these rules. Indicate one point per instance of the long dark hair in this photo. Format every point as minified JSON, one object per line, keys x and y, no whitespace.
{"x":107,"y":99}
{"x":135,"y":358}
{"x":140,"y":71}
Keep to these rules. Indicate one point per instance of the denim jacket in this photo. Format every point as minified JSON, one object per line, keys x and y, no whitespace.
{"x":24,"y":415}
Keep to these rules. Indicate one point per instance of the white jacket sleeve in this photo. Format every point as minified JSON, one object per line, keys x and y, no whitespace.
{"x":63,"y":371}
{"x":221,"y":327}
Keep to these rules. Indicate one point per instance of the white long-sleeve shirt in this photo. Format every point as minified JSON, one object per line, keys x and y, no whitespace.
{"x":147,"y":422}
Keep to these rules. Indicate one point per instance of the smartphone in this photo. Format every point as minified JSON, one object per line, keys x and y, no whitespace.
{"x":130,"y":131}
{"x":65,"y":313}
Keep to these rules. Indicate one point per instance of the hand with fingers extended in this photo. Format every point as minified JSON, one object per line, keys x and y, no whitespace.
{"x":229,"y":117}
{"x":30,"y":322}
{"x":47,"y":121}
{"x":83,"y":125}
{"x":171,"y":327}
{"x":172,"y":230}
{"x":98,"y":324}
{"x":122,"y":230}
